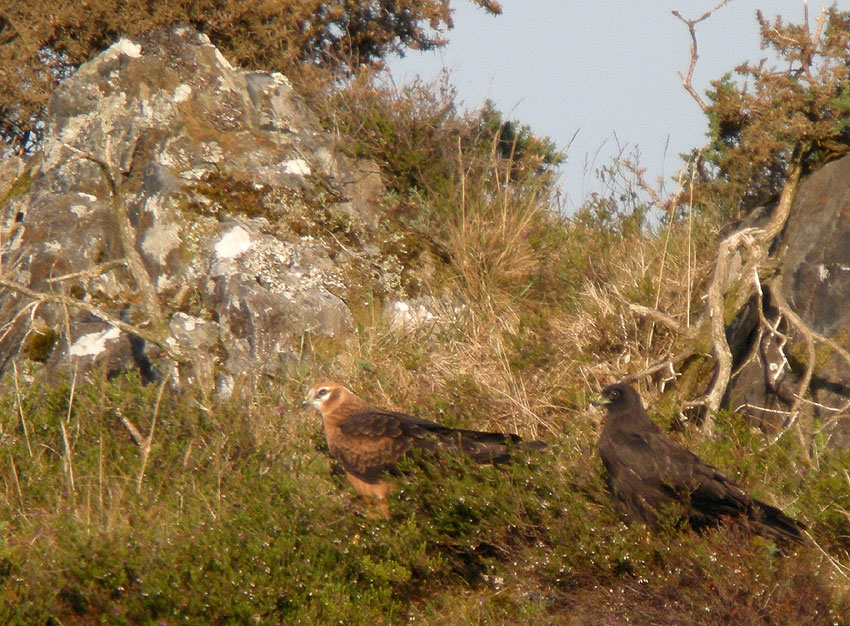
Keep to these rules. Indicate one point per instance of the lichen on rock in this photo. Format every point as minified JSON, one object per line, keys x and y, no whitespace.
{"x":235,"y":198}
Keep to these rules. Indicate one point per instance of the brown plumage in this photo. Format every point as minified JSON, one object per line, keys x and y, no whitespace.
{"x":368,"y":441}
{"x":647,"y":472}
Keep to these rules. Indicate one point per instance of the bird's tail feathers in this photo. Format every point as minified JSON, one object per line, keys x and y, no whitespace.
{"x":773,"y":522}
{"x":486,"y":447}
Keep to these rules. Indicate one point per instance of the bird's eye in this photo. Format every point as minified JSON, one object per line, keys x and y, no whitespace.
{"x":322,"y":392}
{"x":615,"y":394}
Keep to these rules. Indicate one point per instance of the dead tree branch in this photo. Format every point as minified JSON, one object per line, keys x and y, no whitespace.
{"x":128,"y":238}
{"x":661,"y":365}
{"x":656,"y":316}
{"x":147,"y":444}
{"x":92,"y":272}
{"x":752,"y":244}
{"x":687,"y":79}
{"x":157,"y":338}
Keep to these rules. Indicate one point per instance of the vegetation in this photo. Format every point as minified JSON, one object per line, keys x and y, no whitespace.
{"x":764,"y":113}
{"x":43,"y":42}
{"x":122,"y":503}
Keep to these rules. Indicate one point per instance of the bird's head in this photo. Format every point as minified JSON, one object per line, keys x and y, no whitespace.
{"x":324,"y":396}
{"x":618,"y":396}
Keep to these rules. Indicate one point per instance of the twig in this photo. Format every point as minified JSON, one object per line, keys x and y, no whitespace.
{"x":154,"y":337}
{"x":131,"y":428}
{"x":687,"y":81}
{"x":798,"y":323}
{"x":747,"y":405}
{"x":17,"y":480}
{"x":656,"y":316}
{"x":21,"y":407}
{"x":838,"y":567}
{"x":128,"y":238}
{"x":148,"y":443}
{"x":8,"y":326}
{"x":67,"y":455}
{"x":92,"y":272}
{"x":100,"y":474}
{"x":661,"y":365}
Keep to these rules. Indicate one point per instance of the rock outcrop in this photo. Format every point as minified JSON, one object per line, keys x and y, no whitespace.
{"x":813,"y":255}
{"x":198,"y":204}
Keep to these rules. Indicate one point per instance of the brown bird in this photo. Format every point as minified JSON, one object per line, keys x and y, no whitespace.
{"x":648,"y":472}
{"x":368,"y":441}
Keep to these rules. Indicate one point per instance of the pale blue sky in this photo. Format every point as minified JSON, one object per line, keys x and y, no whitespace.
{"x":606,"y":70}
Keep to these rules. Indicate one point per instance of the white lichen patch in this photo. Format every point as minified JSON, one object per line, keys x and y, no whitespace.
{"x":196,"y":173}
{"x":94,"y":343}
{"x":269,"y":264}
{"x":80,"y":210}
{"x":281,"y":79}
{"x":186,"y":322}
{"x":410,"y":315}
{"x":125,"y":47}
{"x":223,"y":61}
{"x":160,"y":240}
{"x":164,"y":283}
{"x":327,"y":162}
{"x":233,"y":243}
{"x":212,"y":152}
{"x":225,"y":385}
{"x":182,"y":93}
{"x":153,"y":205}
{"x":298,"y":167}
{"x":823,"y":272}
{"x":87,"y":196}
{"x":422,"y":312}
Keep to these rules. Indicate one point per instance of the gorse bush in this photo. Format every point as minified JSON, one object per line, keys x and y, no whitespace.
{"x":763,"y":116}
{"x":40,"y":43}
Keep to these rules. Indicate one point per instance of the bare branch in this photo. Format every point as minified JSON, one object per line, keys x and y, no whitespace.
{"x":92,"y":272}
{"x":656,"y":316}
{"x":67,"y":454}
{"x":131,"y":428}
{"x":661,"y":365}
{"x":687,"y":80}
{"x":755,"y":242}
{"x":21,"y":408}
{"x":172,"y":350}
{"x":148,"y":442}
{"x":128,"y":239}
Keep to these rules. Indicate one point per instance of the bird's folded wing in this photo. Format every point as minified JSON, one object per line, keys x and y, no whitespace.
{"x":374,"y":423}
{"x":370,"y":443}
{"x":704,"y":485}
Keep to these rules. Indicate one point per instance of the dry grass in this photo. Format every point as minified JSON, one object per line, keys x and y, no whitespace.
{"x":233,"y":512}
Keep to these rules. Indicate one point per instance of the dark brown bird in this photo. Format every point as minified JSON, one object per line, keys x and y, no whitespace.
{"x":648,"y":472}
{"x":368,"y":441}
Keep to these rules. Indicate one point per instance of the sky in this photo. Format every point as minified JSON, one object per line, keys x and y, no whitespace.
{"x":598,"y":78}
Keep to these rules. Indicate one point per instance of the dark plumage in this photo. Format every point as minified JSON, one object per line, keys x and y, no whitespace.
{"x":648,"y":472}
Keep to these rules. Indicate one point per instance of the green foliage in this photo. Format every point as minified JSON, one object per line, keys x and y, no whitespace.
{"x":765,"y":116}
{"x":45,"y":42}
{"x":239,"y":517}
{"x":472,"y":191}
{"x":240,"y":520}
{"x":423,"y":143}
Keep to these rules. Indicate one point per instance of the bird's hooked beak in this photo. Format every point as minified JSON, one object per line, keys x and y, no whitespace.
{"x":308,"y":399}
{"x":597,"y":399}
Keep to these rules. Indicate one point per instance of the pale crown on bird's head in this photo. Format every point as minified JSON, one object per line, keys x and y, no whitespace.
{"x":319,"y":395}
